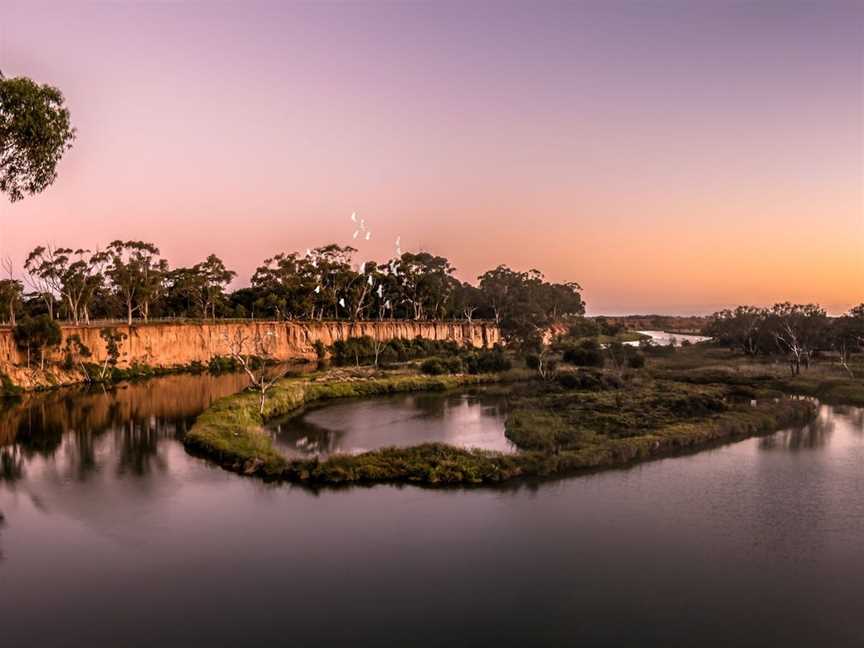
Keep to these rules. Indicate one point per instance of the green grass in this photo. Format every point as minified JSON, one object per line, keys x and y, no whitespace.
{"x":558,"y":431}
{"x":230,"y":431}
{"x":761,"y":376}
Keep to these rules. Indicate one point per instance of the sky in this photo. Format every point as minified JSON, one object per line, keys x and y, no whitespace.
{"x":669,"y":156}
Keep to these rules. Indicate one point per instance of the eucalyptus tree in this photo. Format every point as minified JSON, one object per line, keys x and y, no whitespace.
{"x":35,"y":132}
{"x":44,"y":266}
{"x":742,"y":327}
{"x":524,"y":304}
{"x":798,"y":329}
{"x":285,"y":284}
{"x":427,"y":282}
{"x":137,"y":275}
{"x":10,"y":299}
{"x":211,"y":277}
{"x":847,"y":334}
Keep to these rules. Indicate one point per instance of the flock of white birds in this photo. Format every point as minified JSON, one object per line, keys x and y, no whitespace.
{"x":363,"y":233}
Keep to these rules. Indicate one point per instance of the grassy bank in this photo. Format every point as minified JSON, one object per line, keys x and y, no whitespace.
{"x":230,"y":432}
{"x":557,"y":430}
{"x":760,"y":377}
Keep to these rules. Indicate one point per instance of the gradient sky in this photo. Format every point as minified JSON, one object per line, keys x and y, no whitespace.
{"x":669,"y":156}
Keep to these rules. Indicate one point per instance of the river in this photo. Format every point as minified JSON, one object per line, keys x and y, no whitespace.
{"x":113,"y":535}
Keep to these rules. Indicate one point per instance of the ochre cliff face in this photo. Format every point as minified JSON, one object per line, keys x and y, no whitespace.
{"x":173,"y":345}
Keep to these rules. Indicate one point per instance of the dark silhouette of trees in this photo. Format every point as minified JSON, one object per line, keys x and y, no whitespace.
{"x":129,"y":280}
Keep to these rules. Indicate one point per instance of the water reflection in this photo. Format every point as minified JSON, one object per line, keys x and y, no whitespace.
{"x":68,"y":432}
{"x":117,"y":518}
{"x":814,"y":435}
{"x":662,"y":338}
{"x":467,"y":419}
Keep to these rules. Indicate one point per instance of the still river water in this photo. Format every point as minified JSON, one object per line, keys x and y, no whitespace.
{"x":114,"y":536}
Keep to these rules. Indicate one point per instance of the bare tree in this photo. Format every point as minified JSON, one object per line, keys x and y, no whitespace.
{"x":256,"y":355}
{"x":377,"y":347}
{"x":545,"y":364}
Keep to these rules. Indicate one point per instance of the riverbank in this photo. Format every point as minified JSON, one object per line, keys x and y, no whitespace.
{"x":230,"y":432}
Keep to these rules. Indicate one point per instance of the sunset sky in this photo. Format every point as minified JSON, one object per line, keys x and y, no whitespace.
{"x":673,"y":157}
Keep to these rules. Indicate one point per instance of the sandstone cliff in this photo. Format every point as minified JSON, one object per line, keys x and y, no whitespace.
{"x":179,"y":344}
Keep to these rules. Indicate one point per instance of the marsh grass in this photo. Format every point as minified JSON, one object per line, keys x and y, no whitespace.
{"x":557,"y":430}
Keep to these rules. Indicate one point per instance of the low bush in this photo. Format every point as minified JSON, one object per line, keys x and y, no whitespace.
{"x":433,"y":367}
{"x":485,"y":361}
{"x":587,"y":354}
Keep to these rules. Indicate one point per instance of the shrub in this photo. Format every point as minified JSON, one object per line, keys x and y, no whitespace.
{"x":475,"y":362}
{"x":583,"y":327}
{"x":636,"y":360}
{"x":453,"y":364}
{"x":587,"y":354}
{"x":320,"y":349}
{"x":569,"y":380}
{"x":219,"y":364}
{"x":433,"y":367}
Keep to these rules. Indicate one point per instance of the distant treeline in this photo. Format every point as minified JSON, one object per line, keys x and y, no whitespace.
{"x":799,"y":330}
{"x":129,"y":280}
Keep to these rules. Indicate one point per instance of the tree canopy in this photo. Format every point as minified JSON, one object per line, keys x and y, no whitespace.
{"x":35,"y":132}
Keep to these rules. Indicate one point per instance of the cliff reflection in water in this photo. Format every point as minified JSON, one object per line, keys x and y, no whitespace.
{"x":66,"y":431}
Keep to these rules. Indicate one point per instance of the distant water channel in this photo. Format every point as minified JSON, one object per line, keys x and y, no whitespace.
{"x":663,"y":338}
{"x":113,"y":535}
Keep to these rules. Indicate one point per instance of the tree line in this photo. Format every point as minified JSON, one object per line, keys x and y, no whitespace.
{"x":801,"y":331}
{"x":131,"y":281}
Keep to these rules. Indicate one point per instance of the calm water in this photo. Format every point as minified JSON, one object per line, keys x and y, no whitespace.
{"x":472,"y":419}
{"x":114,"y":536}
{"x":664,"y":339}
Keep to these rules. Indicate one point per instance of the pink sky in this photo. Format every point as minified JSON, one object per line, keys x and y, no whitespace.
{"x":669,"y":157}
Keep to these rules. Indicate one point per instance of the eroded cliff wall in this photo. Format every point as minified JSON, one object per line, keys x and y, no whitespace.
{"x":180,"y":344}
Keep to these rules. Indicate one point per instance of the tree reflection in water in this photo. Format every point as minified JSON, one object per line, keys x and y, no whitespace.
{"x":65,"y":429}
{"x":815,"y":434}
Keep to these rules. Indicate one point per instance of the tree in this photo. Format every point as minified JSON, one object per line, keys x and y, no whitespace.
{"x":847,"y":334}
{"x":466,"y":300}
{"x":36,"y":334}
{"x":427,"y":282}
{"x":798,"y":329}
{"x":112,"y":340}
{"x":524,"y":304}
{"x":137,"y":274}
{"x":738,"y":328}
{"x":199,"y":289}
{"x":214,"y":277}
{"x":256,"y":355}
{"x":10,"y":294}
{"x":35,"y":132}
{"x":71,"y":275}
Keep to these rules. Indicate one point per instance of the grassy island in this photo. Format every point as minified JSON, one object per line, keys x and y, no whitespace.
{"x":594,"y":419}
